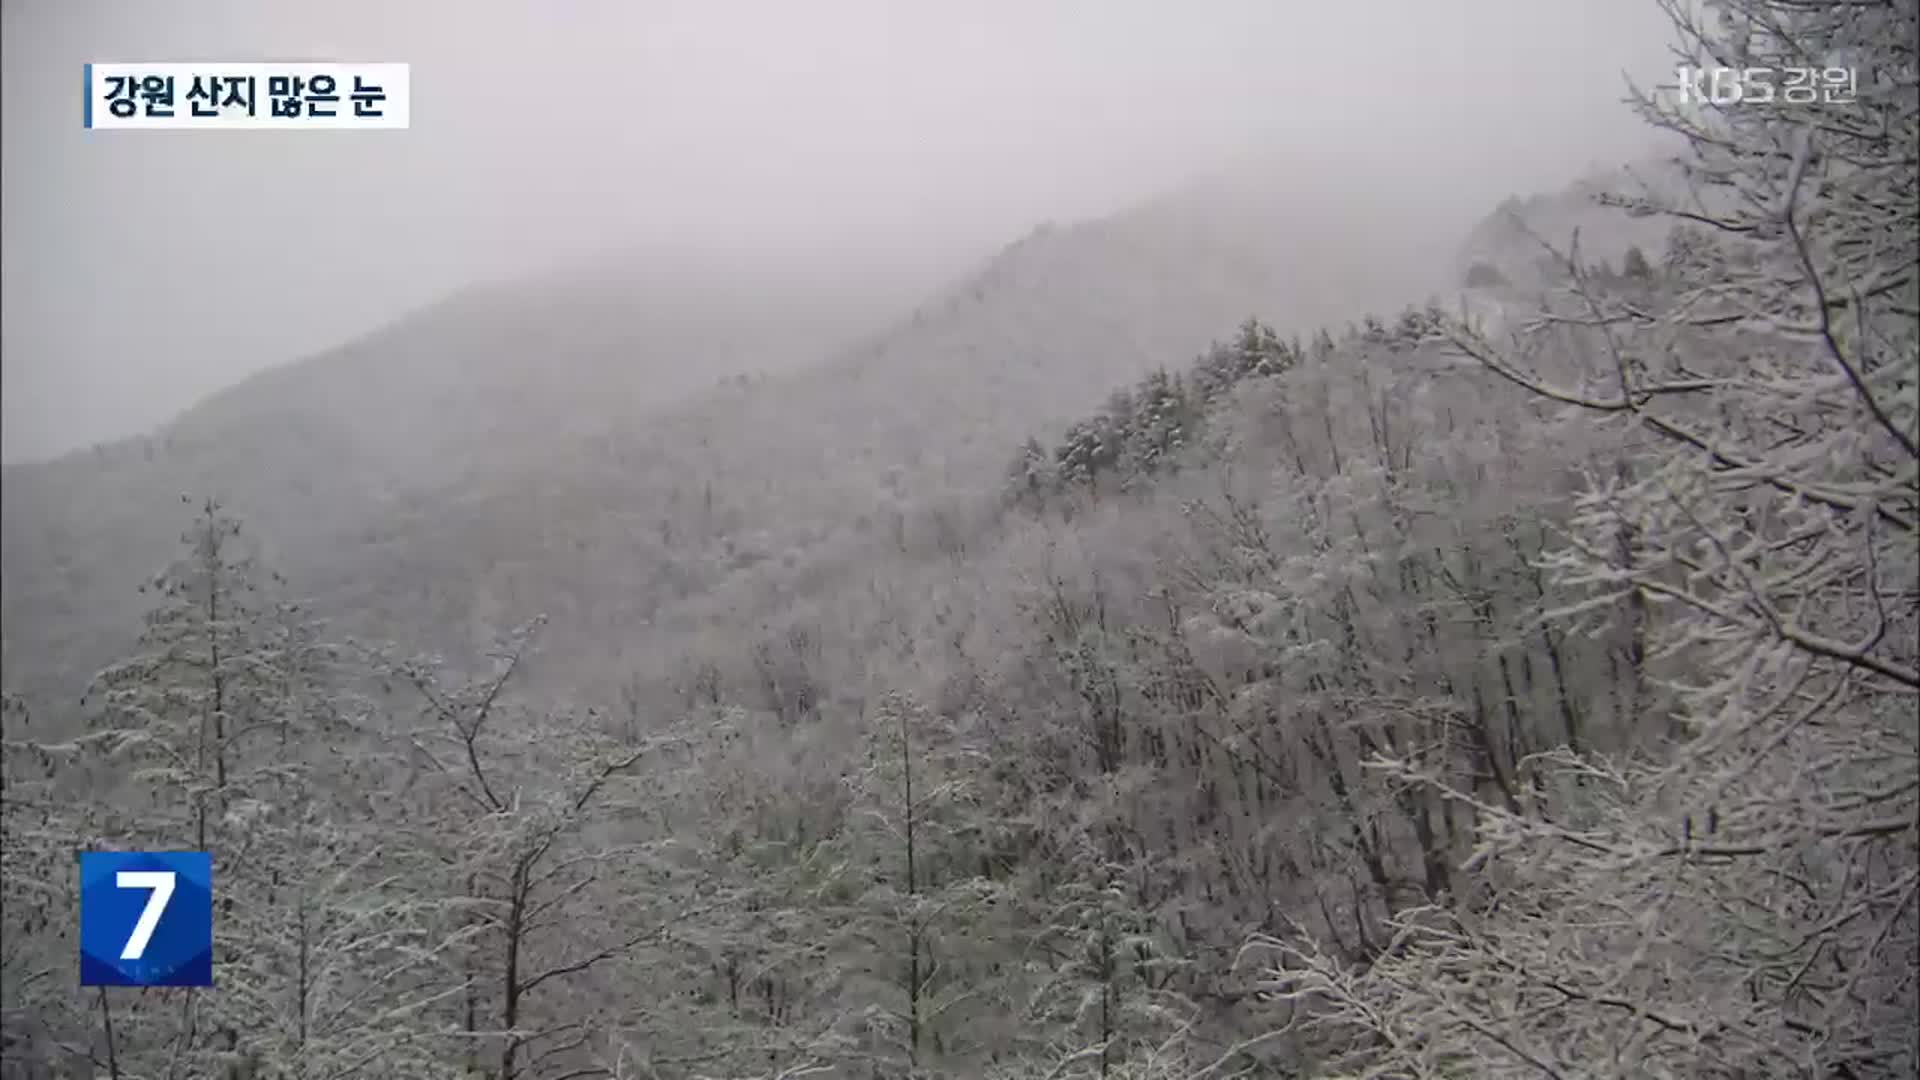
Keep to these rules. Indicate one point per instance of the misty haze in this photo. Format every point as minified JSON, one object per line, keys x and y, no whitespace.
{"x":1032,"y":541}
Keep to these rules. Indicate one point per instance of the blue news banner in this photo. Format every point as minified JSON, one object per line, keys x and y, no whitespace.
{"x":146,"y":918}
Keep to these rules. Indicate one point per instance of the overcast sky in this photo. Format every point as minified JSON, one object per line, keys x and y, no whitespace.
{"x":143,"y":270}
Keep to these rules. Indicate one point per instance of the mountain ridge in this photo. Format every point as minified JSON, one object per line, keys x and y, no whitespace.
{"x":646,"y":506}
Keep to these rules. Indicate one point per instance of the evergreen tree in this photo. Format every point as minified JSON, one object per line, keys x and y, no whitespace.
{"x":1161,"y":423}
{"x":912,"y":839}
{"x":1483,"y":275}
{"x":1634,"y":264}
{"x":201,"y":684}
{"x":226,"y":733}
{"x":1030,"y":476}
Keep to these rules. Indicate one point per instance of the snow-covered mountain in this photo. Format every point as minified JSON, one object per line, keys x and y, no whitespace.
{"x":1523,"y":235}
{"x":547,"y":443}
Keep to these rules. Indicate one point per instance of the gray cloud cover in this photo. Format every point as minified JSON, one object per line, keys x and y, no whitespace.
{"x":893,"y":140}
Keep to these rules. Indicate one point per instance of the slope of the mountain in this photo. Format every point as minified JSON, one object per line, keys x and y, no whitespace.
{"x":322,"y":449}
{"x":1058,"y":318}
{"x":1523,"y":237}
{"x":711,"y":513}
{"x":489,"y":458}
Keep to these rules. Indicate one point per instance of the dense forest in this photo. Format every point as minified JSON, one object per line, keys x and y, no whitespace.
{"x":1439,"y":695}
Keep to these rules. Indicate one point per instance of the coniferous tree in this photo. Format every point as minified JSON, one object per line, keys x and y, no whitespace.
{"x":1634,"y":263}
{"x":912,"y":839}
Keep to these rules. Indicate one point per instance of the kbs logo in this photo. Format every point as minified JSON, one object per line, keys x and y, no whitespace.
{"x":1761,"y":85}
{"x":146,"y":918}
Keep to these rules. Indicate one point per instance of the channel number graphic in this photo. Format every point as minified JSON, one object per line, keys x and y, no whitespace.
{"x":146,"y":918}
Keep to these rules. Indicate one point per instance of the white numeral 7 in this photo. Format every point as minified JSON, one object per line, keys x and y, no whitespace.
{"x":161,"y":882}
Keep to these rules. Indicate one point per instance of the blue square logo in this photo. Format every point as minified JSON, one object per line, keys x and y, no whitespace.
{"x":146,"y":918}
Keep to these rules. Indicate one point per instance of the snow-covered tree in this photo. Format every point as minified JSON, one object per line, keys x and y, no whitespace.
{"x":1744,"y":903}
{"x":1107,"y":965}
{"x":42,"y":1015}
{"x":914,"y":888}
{"x":231,"y":732}
{"x":522,"y":823}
